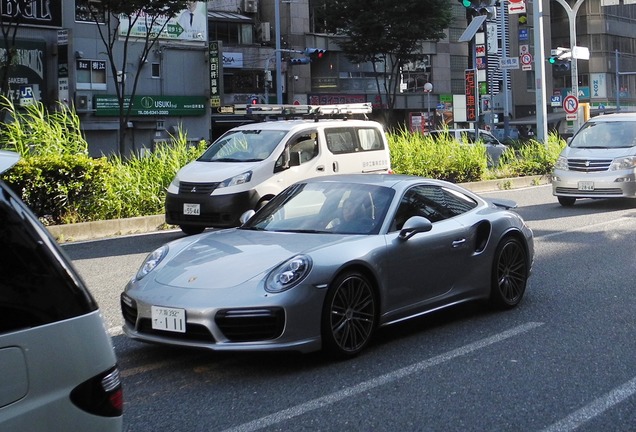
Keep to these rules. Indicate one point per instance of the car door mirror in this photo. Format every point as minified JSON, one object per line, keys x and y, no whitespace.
{"x":246,"y":216}
{"x":414,"y":225}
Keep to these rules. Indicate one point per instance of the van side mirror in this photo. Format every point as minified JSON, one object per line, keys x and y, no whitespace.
{"x":294,"y":159}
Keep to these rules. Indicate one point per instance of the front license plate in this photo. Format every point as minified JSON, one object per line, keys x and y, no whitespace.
{"x":586,"y":186}
{"x":191,"y":209}
{"x":168,"y":319}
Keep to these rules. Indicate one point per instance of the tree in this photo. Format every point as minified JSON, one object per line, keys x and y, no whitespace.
{"x":153,"y":15}
{"x":386,"y":33}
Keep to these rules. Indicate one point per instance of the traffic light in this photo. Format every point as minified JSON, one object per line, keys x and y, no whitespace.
{"x":314,"y":53}
{"x":560,"y":59}
{"x":301,"y":60}
{"x":559,"y":65}
{"x":253,"y":100}
{"x":480,"y":7}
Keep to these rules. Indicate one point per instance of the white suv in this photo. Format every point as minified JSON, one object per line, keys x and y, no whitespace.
{"x":57,"y":365}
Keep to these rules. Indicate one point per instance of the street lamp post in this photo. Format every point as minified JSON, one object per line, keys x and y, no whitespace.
{"x":428,"y":88}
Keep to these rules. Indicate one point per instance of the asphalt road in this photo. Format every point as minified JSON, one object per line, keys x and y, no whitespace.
{"x":564,"y":360}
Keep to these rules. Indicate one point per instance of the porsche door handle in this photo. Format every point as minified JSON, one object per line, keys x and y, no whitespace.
{"x":458,"y":243}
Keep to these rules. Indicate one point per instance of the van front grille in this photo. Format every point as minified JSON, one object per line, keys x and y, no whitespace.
{"x":197,"y":188}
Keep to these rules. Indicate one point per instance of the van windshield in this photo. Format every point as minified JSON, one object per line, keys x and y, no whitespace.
{"x":243,"y":146}
{"x":618,"y":134}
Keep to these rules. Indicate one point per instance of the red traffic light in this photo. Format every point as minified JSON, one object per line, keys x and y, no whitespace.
{"x":314,"y":53}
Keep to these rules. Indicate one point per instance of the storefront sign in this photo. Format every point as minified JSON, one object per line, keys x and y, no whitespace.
{"x":28,"y":68}
{"x":45,"y":13}
{"x":152,"y":105}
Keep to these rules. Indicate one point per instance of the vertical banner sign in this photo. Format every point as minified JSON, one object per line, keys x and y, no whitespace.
{"x":215,"y":74}
{"x":471,"y":102}
{"x":62,"y":67}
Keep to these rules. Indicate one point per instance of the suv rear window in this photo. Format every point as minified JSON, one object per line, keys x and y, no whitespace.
{"x":38,"y":286}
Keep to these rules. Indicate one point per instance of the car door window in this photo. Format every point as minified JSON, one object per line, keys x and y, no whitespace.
{"x":435,"y":203}
{"x":37,"y":286}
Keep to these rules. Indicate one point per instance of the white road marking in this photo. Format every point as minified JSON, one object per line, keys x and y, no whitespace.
{"x":594,"y":409}
{"x":583,"y":228}
{"x":404,"y":372}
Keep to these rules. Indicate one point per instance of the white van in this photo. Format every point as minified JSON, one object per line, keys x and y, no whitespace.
{"x":58,"y":370}
{"x":250,"y":164}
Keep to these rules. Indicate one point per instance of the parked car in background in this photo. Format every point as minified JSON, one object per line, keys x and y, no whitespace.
{"x":250,"y":164}
{"x":326,"y":262}
{"x":494,"y":148}
{"x":599,"y":161}
{"x":58,"y":370}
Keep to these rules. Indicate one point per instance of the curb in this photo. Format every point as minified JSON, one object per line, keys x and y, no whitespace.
{"x":144,"y":224}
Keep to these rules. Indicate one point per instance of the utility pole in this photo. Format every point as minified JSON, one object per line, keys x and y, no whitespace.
{"x":537,"y":20}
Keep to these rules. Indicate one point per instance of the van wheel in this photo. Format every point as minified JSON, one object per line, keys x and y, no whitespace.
{"x":191,"y":230}
{"x":566,"y":201}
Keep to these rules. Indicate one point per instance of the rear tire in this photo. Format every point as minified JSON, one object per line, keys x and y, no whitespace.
{"x":191,"y":229}
{"x":509,"y":274}
{"x":349,"y":315}
{"x":566,"y":201}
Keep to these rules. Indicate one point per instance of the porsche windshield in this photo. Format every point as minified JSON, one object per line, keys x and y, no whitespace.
{"x":325,"y":207}
{"x":613,"y":134}
{"x":243,"y":146}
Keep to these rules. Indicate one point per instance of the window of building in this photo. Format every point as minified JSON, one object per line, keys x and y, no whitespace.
{"x":231,"y":33}
{"x":91,"y":74}
{"x":88,"y":10}
{"x":155,"y":70}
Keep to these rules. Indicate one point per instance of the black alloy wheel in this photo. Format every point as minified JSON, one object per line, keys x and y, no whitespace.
{"x":509,"y":274}
{"x":349,"y":315}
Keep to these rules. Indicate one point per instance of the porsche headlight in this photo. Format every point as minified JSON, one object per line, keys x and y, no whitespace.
{"x":236,"y":180}
{"x":561,"y":163}
{"x":623,"y":163}
{"x":152,"y":261}
{"x":288,"y":274}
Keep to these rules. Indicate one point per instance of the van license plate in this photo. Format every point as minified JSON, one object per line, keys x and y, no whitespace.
{"x":192,"y":209}
{"x":586,"y":186}
{"x":168,"y":319}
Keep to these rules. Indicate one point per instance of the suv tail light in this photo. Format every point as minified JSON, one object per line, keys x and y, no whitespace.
{"x":101,"y":395}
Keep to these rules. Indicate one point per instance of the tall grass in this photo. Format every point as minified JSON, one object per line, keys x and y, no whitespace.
{"x":138,"y":184}
{"x":35,"y":131}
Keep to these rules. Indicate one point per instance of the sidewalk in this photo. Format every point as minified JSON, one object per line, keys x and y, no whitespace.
{"x":138,"y":225}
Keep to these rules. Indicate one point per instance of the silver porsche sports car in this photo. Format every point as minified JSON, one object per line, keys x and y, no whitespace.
{"x":326,"y":262}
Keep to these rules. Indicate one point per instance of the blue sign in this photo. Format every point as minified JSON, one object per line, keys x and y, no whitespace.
{"x":441,"y":106}
{"x":523,"y":35}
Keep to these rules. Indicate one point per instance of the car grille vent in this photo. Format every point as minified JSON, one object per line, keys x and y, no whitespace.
{"x":589,"y":165}
{"x":197,"y":188}
{"x":595,"y":192}
{"x":129,"y":310}
{"x":194,"y":332}
{"x":246,"y":325}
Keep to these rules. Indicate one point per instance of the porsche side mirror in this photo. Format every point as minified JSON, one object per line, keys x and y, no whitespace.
{"x":414,"y":225}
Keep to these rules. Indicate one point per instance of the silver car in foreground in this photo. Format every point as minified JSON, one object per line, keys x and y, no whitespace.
{"x":599,"y":161}
{"x":58,"y":370}
{"x":328,"y":261}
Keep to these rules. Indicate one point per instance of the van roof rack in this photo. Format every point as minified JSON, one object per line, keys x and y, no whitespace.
{"x":315,"y":111}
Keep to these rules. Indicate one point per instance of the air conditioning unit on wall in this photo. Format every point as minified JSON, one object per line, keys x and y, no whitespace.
{"x":264,"y":32}
{"x":81,"y":102}
{"x":250,"y":6}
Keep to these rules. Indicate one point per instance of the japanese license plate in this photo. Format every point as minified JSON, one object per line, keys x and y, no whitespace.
{"x":168,"y":319}
{"x":586,"y":186}
{"x":191,"y":209}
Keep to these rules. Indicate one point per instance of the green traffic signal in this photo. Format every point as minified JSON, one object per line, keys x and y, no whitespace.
{"x":467,"y":3}
{"x":552,"y":60}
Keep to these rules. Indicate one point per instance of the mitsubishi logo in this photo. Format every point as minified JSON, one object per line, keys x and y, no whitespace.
{"x":194,"y":189}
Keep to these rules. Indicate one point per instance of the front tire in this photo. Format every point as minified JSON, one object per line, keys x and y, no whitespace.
{"x":509,"y":274}
{"x":349,"y":315}
{"x":566,"y":201}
